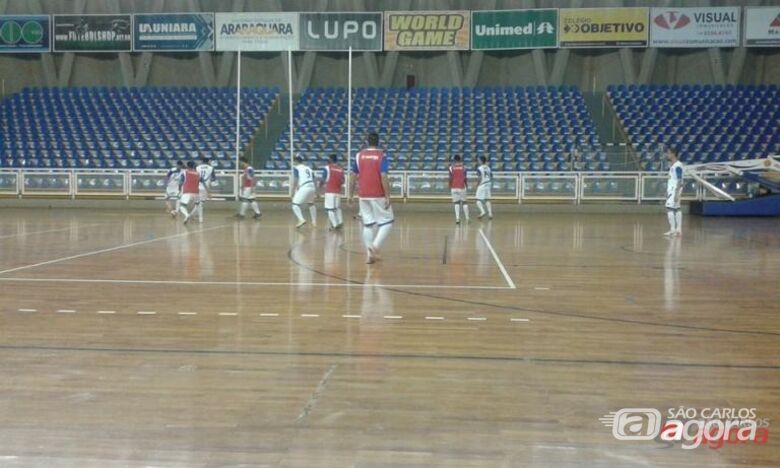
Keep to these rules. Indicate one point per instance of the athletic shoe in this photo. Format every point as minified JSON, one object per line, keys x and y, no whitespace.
{"x":300,"y":224}
{"x":258,"y":216}
{"x":373,"y":255}
{"x":670,"y":233}
{"x":457,"y":221}
{"x":481,"y":215}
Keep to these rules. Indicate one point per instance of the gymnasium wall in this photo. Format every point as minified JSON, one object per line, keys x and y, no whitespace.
{"x":590,"y":69}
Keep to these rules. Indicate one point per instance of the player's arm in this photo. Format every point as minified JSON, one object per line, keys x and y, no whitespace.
{"x":385,"y":180}
{"x":354,"y":180}
{"x":678,"y":175}
{"x":465,"y":178}
{"x":449,"y":180}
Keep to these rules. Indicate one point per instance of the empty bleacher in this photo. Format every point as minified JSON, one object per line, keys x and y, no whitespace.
{"x":705,"y":123}
{"x":136,"y":128}
{"x":517,"y":128}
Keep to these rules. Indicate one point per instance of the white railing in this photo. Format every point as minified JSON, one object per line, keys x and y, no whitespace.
{"x":570,"y":187}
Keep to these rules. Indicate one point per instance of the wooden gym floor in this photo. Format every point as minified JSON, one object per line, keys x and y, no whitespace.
{"x":127,"y":339}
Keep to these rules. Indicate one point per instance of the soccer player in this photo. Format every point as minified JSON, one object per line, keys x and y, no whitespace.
{"x":458,"y":186}
{"x":172,"y":184}
{"x":370,"y":169}
{"x":207,"y":177}
{"x":247,"y":196}
{"x":190,"y":190}
{"x":484,"y":188}
{"x":304,"y":191}
{"x":333,"y":181}
{"x":674,"y":188}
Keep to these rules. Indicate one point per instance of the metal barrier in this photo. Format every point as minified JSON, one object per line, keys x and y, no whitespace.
{"x":570,"y":187}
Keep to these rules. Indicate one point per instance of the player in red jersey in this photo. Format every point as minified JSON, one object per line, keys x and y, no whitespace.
{"x":370,"y":168}
{"x":247,"y":196}
{"x":190,"y":187}
{"x":458,"y":186}
{"x":333,"y":181}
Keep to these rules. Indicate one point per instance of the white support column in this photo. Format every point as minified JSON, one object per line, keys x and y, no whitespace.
{"x":292,"y":121}
{"x":238,"y":122}
{"x":349,"y":115}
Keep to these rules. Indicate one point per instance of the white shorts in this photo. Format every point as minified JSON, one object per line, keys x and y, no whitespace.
{"x":247,"y":193}
{"x":672,"y":201}
{"x":172,"y":194}
{"x":458,"y":195}
{"x":484,"y":192}
{"x":304,"y":195}
{"x":332,"y":201}
{"x":373,"y":211}
{"x":187,"y":198}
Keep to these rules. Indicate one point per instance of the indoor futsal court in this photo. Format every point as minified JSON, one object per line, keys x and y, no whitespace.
{"x":374,"y":233}
{"x":130,"y":340}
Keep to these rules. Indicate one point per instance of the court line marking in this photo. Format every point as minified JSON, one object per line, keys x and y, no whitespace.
{"x":228,"y":314}
{"x":66,"y":311}
{"x":310,"y":315}
{"x":109,"y":249}
{"x":351,"y":316}
{"x":268,"y":315}
{"x":393,"y":317}
{"x":255,"y":283}
{"x":28,"y":310}
{"x":434,"y":318}
{"x":146,"y":312}
{"x":106,"y":312}
{"x":498,"y":260}
{"x":519,"y":320}
{"x":25,"y":234}
{"x":479,"y":319}
{"x":187,"y":313}
{"x":542,"y":289}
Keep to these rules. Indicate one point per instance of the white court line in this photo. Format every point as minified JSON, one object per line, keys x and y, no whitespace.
{"x":498,"y":260}
{"x":25,"y":234}
{"x":268,"y":315}
{"x":518,"y":320}
{"x":106,"y":312}
{"x":310,"y":315}
{"x":542,"y":289}
{"x":228,"y":314}
{"x":477,"y":319}
{"x":28,"y":310}
{"x":253,"y":283}
{"x":434,"y":318}
{"x":110,"y":249}
{"x":188,"y":313}
{"x":146,"y":312}
{"x":351,"y":316}
{"x":393,"y":317}
{"x":66,"y":311}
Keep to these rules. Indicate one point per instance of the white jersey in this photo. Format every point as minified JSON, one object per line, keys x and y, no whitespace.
{"x":207,"y":175}
{"x":174,"y":179}
{"x":485,"y":174}
{"x":675,"y":181}
{"x":304,"y":174}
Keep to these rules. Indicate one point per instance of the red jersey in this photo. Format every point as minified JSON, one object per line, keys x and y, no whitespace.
{"x":191,"y":183}
{"x":334,"y":178}
{"x":458,"y":176}
{"x":248,"y":178}
{"x":369,"y":165}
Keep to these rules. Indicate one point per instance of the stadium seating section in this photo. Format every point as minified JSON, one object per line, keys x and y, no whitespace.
{"x":143,"y":128}
{"x":519,"y":129}
{"x":706,"y":123}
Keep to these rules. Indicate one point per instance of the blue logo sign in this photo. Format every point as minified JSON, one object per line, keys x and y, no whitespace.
{"x":174,"y":32}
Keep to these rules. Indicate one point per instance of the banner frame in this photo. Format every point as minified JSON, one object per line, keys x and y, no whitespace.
{"x":54,"y":41}
{"x":743,"y":36}
{"x":214,"y":32}
{"x":740,"y":25}
{"x":381,"y":31}
{"x":39,"y":51}
{"x":557,"y":29}
{"x":297,"y":40}
{"x":386,"y":23}
{"x":646,"y":46}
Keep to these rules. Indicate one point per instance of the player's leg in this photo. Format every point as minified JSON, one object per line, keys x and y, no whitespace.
{"x":184,"y":204}
{"x":256,"y":209}
{"x":330,"y":209}
{"x":338,"y":212}
{"x":297,"y":200}
{"x":465,"y":205}
{"x":201,"y":201}
{"x":369,"y":224}
{"x":670,"y":215}
{"x":311,"y":193}
{"x":384,"y":222}
{"x":455,"y":205}
{"x":489,"y":206}
{"x":678,"y":221}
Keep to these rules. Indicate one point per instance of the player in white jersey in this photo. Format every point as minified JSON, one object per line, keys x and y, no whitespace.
{"x":674,"y":188}
{"x":484,"y":188}
{"x":247,"y":194}
{"x":207,"y":177}
{"x":304,"y":191}
{"x":172,"y":187}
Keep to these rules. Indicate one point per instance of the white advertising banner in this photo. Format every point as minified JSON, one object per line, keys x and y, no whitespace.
{"x":695,"y":27}
{"x":257,"y":31}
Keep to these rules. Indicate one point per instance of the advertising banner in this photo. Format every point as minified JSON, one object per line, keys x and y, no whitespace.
{"x":340,"y":31}
{"x":173,"y":32}
{"x":514,"y":29}
{"x":427,"y":30}
{"x":93,"y":33}
{"x":694,"y":27}
{"x":603,"y":27}
{"x":24,"y":34}
{"x":762,"y":27}
{"x":256,"y":31}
